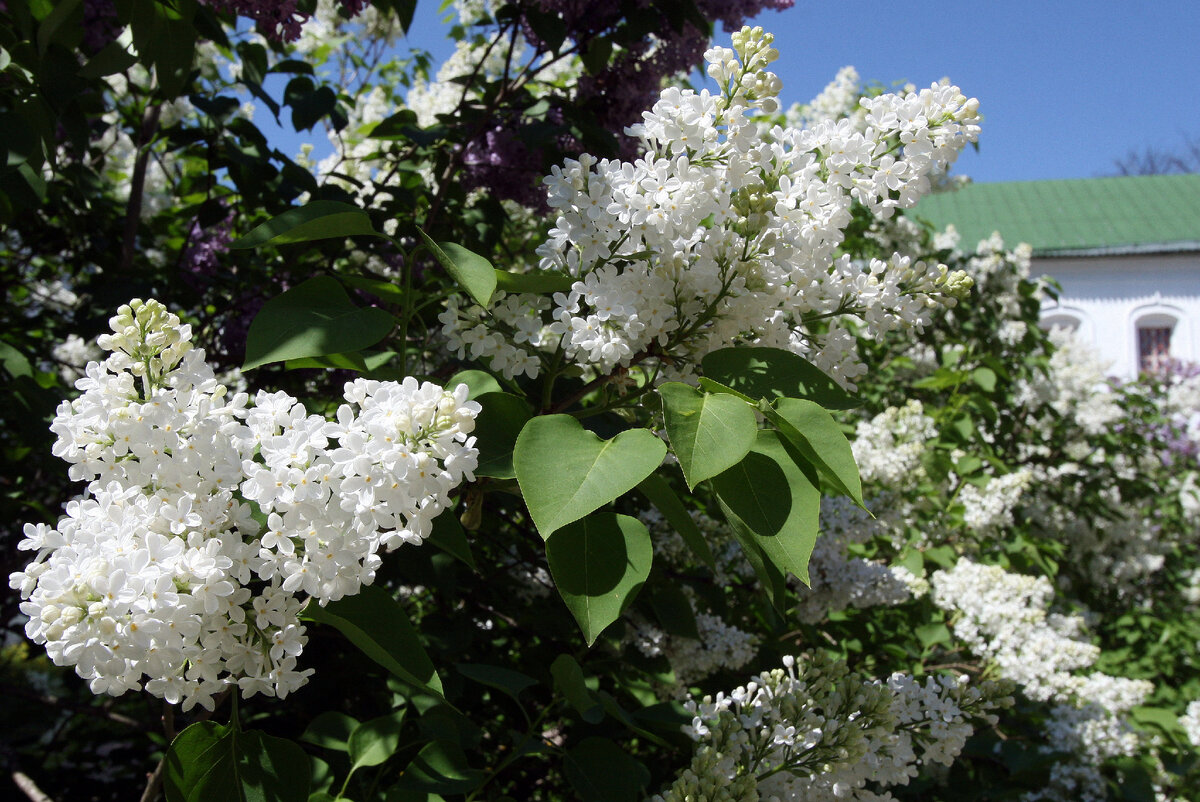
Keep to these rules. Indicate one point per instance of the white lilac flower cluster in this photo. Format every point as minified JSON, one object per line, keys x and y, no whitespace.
{"x":815,"y":731}
{"x":840,"y":98}
{"x":1190,"y":721}
{"x":1077,"y":387}
{"x":72,"y":355}
{"x":1004,"y":619}
{"x":720,"y":647}
{"x":160,"y":573}
{"x":888,"y":448}
{"x":997,"y":271}
{"x":726,"y":231}
{"x":990,"y":508}
{"x":838,"y":580}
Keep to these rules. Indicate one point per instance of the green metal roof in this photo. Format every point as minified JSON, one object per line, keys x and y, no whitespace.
{"x":1077,"y":217}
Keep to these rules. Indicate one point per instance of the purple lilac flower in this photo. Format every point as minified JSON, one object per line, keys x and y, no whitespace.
{"x":201,"y":260}
{"x":500,"y":161}
{"x":100,"y":25}
{"x":280,"y":20}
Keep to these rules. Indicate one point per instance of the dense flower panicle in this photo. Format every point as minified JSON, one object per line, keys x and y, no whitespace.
{"x":160,"y":573}
{"x":814,"y":730}
{"x":726,"y":232}
{"x":336,"y":492}
{"x":989,"y":509}
{"x":888,"y":448}
{"x":1004,"y":618}
{"x":1190,"y":721}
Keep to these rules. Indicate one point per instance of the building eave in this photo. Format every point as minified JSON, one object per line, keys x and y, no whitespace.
{"x":1131,"y":249}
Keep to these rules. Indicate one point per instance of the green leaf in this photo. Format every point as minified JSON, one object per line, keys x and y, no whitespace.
{"x":448,"y":535}
{"x":496,"y":430}
{"x":473,"y":273}
{"x":769,"y":501}
{"x":315,"y":318}
{"x":600,"y":771}
{"x":310,"y":107}
{"x":566,"y":472}
{"x":932,"y":633}
{"x":441,"y":767}
{"x":540,"y":282}
{"x":383,"y":290}
{"x":164,"y":36}
{"x":14,"y":362}
{"x":351,"y":361}
{"x":374,"y":741}
{"x":599,"y":564}
{"x":570,"y":683}
{"x":504,"y":679}
{"x":376,"y":623}
{"x":209,"y":761}
{"x":330,"y":730}
{"x":773,"y":581}
{"x":322,"y":219}
{"x":49,"y":27}
{"x":984,"y":378}
{"x":111,"y":59}
{"x":772,"y":372}
{"x":397,"y":126}
{"x":819,"y":439}
{"x":674,"y":611}
{"x":659,"y":493}
{"x":709,"y":433}
{"x":478,"y":382}
{"x":595,"y":56}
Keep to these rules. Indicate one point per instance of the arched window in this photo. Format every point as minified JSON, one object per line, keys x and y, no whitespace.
{"x":1154,"y":333}
{"x":1060,"y":320}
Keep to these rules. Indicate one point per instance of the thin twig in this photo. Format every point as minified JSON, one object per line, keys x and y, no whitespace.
{"x":66,"y":704}
{"x":29,"y":788}
{"x":155,"y":781}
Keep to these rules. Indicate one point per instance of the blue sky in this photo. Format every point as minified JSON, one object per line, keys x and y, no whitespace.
{"x":1066,"y":86}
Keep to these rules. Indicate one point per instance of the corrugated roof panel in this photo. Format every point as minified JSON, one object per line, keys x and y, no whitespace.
{"x":1081,"y":215}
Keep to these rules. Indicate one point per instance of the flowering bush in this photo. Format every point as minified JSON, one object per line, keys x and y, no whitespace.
{"x":617,"y":440}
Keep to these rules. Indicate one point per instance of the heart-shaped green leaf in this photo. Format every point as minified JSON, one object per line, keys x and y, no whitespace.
{"x":374,"y":741}
{"x":566,"y":472}
{"x":211,"y":761}
{"x":599,"y":564}
{"x":818,"y":438}
{"x":709,"y":433}
{"x":769,"y":501}
{"x":313,"y":319}
{"x":322,"y":219}
{"x":330,"y":730}
{"x":772,"y":372}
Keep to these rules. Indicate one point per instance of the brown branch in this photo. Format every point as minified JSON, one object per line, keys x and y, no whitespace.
{"x":598,"y":382}
{"x":137,"y":184}
{"x":29,"y":788}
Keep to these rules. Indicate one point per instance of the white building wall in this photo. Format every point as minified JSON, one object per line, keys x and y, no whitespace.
{"x":1108,"y":296}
